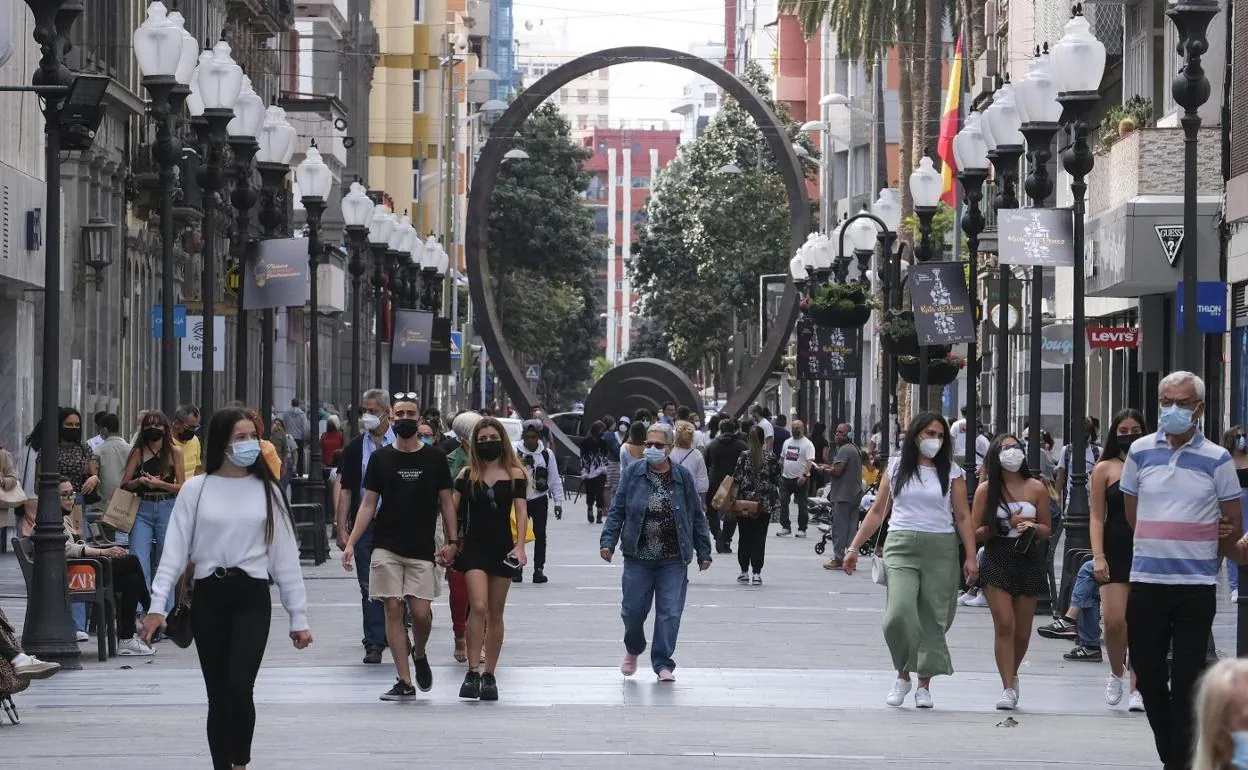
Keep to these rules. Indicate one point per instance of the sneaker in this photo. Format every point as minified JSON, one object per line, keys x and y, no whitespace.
{"x":923,"y":698}
{"x":372,"y":654}
{"x":785,"y":532}
{"x":424,"y":674}
{"x":897,"y":695}
{"x":134,"y":646}
{"x":31,"y":667}
{"x":1113,"y":690}
{"x":978,"y":600}
{"x":540,"y":577}
{"x":489,"y":687}
{"x":800,"y":533}
{"x":1135,"y":702}
{"x":666,"y":676}
{"x":1009,"y":699}
{"x":832,"y":564}
{"x":471,"y":688}
{"x":962,"y":598}
{"x":744,"y":578}
{"x":1062,"y":628}
{"x":629,"y":666}
{"x":1235,"y":596}
{"x":400,"y":692}
{"x":81,"y":636}
{"x":756,"y":580}
{"x":1085,"y":654}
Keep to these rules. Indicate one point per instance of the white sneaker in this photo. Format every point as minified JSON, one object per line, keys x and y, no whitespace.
{"x":800,"y":533}
{"x":1113,"y":690}
{"x":897,"y":695}
{"x":1235,"y":596}
{"x":744,"y":578}
{"x":1136,"y":702}
{"x":963,"y":597}
{"x":785,"y":532}
{"x":134,"y":646}
{"x":81,"y":636}
{"x":756,"y":580}
{"x":923,"y":698}
{"x":978,"y":600}
{"x":30,"y":667}
{"x":1009,"y":699}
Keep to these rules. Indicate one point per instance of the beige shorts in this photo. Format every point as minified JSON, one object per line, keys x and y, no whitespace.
{"x":391,"y":576}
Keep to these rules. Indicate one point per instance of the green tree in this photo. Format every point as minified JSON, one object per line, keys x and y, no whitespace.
{"x":543,"y":249}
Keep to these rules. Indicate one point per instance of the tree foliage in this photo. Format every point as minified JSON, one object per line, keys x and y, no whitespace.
{"x":543,"y":249}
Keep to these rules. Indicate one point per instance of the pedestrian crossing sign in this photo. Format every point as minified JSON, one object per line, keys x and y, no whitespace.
{"x":533,"y":372}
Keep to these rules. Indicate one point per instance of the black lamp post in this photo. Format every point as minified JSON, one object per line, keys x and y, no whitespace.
{"x":864,"y":229}
{"x":379,"y":234}
{"x":243,"y":146}
{"x":1077,"y":63}
{"x":399,"y":256}
{"x":315,"y":182}
{"x":277,"y":146}
{"x":358,"y":212}
{"x":926,"y":185}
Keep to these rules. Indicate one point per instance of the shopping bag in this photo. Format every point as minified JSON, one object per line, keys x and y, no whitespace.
{"x":123,"y":506}
{"x":529,"y":536}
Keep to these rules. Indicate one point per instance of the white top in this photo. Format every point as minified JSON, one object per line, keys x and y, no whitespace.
{"x":795,"y":453}
{"x":229,"y":532}
{"x":955,"y":437}
{"x":95,"y":442}
{"x":1022,"y":508}
{"x":769,"y":430}
{"x":693,"y":462}
{"x":920,"y":506}
{"x":542,"y":458}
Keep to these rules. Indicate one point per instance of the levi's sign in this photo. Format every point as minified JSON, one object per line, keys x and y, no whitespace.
{"x":1113,"y":336}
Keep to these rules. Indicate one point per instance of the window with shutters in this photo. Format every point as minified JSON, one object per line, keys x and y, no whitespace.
{"x":1239,"y":96}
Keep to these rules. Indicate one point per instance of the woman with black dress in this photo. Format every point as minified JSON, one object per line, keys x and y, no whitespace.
{"x":1113,"y":545}
{"x":596,"y":458}
{"x":1012,"y":515}
{"x":486,"y":492}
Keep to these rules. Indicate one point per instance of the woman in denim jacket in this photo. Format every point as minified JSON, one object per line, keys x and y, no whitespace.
{"x":657,"y":517}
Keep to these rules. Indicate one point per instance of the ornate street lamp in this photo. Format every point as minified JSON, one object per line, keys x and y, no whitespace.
{"x":1077,"y":64}
{"x":379,"y":232}
{"x":276,"y":147}
{"x":97,"y":245}
{"x":970,"y":155}
{"x":357,"y":214}
{"x":315,"y":181}
{"x":400,"y":254}
{"x":242,"y":130}
{"x":166,"y":54}
{"x":926,"y":185}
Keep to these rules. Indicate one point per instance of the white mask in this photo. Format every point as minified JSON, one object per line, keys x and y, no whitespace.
{"x":930,"y":447}
{"x":371,"y":422}
{"x":1012,"y":458}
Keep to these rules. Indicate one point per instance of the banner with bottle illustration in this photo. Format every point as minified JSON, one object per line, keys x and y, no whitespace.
{"x":276,"y":274}
{"x":827,"y":353}
{"x":941,"y":304}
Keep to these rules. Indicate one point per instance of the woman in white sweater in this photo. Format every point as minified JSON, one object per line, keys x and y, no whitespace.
{"x":686,"y":455}
{"x":233,"y":525}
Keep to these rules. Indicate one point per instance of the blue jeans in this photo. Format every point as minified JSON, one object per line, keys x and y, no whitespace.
{"x":150,"y":525}
{"x":1232,"y":575}
{"x":663,"y":584}
{"x":373,"y":611}
{"x":1086,"y":595}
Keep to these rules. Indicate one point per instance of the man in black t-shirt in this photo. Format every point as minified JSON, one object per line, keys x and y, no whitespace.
{"x":406,"y":486}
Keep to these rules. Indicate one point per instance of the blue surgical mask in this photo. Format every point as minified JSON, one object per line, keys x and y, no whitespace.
{"x":653,"y":455}
{"x":426,"y":440}
{"x":1175,"y":419}
{"x":1241,"y":444}
{"x":1239,"y":760}
{"x":244,"y":453}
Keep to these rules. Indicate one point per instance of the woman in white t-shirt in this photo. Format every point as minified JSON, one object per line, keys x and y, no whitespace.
{"x":927,"y":493}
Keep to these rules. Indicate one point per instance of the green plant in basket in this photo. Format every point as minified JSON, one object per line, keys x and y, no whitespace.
{"x":898,"y":326}
{"x":841,"y":296}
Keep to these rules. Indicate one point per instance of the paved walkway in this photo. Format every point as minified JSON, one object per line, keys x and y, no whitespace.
{"x":788,"y":675}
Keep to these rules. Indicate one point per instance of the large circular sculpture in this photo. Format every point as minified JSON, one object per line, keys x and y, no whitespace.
{"x":641,"y":383}
{"x":477,"y":226}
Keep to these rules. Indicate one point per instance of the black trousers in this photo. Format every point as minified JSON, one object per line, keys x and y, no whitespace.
{"x":790,"y":488}
{"x":593,"y":489}
{"x":753,"y":542}
{"x":231,"y":624}
{"x":131,"y":591}
{"x":712,"y":517}
{"x":539,"y":513}
{"x":1160,"y":617}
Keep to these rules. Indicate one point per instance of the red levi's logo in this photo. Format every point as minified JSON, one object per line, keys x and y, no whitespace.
{"x":1113,"y":336}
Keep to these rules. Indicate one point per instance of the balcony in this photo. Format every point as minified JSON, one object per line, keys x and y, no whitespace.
{"x":331,"y":12}
{"x":1149,"y":161}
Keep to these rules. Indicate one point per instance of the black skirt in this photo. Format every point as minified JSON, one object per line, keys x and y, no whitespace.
{"x":1018,"y":574}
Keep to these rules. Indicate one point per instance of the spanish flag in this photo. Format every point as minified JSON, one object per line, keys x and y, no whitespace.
{"x":950,"y":123}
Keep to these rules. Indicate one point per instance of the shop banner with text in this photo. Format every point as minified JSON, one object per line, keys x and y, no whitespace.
{"x":1040,"y":237}
{"x":412,"y":332}
{"x":276,"y":274}
{"x":1111,"y":337}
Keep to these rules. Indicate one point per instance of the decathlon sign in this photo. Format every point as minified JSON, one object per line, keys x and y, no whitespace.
{"x":1210,"y":307}
{"x":1113,"y":336}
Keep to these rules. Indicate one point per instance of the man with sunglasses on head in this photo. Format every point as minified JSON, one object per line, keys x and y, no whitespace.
{"x":539,"y":461}
{"x":375,"y":404}
{"x":406,"y":487}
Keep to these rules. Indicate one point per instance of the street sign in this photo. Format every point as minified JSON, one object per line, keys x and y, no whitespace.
{"x":179,"y":321}
{"x":457,"y":342}
{"x":1210,"y":307}
{"x":233,"y":278}
{"x":533,"y":372}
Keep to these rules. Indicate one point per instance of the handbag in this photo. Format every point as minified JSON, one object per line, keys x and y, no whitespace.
{"x":726,"y":495}
{"x":122,"y":509}
{"x":178,"y":621}
{"x":12,"y":498}
{"x":529,"y":537}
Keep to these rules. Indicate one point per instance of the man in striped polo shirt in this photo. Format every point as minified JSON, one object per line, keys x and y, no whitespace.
{"x":1179,"y":487}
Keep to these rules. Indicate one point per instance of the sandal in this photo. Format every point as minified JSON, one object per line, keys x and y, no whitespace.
{"x":461,"y":650}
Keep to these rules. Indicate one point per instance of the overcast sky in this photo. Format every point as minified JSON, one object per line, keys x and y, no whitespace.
{"x":638,"y":91}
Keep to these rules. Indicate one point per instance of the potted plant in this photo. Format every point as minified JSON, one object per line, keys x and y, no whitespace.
{"x":899,"y":337}
{"x":841,"y":305}
{"x":940,"y":371}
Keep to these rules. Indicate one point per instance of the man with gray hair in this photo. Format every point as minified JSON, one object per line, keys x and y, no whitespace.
{"x":1182,"y":495}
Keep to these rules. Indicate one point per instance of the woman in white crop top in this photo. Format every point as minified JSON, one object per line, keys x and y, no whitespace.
{"x":926,"y":494}
{"x":1012,"y":518}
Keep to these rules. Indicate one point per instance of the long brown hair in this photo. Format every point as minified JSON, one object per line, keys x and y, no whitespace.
{"x":756,"y":452}
{"x":220,"y":431}
{"x":154,"y":419}
{"x":477,"y":466}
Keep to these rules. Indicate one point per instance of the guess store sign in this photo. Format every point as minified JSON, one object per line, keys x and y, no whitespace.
{"x":1113,"y":336}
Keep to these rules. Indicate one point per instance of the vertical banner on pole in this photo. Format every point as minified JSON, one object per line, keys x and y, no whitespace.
{"x":439,"y":348}
{"x":413,"y":332}
{"x":941,"y":303}
{"x":826,"y":353}
{"x":276,"y":274}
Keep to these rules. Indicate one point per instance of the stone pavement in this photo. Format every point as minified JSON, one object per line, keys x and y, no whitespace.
{"x":788,"y":675}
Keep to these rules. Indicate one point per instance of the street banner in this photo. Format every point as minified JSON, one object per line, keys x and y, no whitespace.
{"x":413,"y":331}
{"x":276,"y":274}
{"x":826,"y":353}
{"x":1057,"y":344}
{"x":941,"y":305}
{"x":439,"y":349}
{"x":1038,"y":237}
{"x":193,"y":344}
{"x":1210,"y":307}
{"x":1110,"y":337}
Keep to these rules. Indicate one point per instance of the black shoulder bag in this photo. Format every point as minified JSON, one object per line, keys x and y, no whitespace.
{"x":178,"y":621}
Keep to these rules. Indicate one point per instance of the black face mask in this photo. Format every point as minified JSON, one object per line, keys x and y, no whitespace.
{"x":405,"y":428}
{"x":152,"y":433}
{"x":1125,"y":442}
{"x":489,"y":450}
{"x":186,"y":435}
{"x":71,"y":435}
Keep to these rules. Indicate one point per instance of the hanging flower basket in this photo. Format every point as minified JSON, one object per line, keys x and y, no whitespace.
{"x":940,"y":371}
{"x":841,"y":305}
{"x":899,"y":337}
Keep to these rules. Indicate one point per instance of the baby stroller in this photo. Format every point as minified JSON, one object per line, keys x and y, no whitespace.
{"x":10,"y":682}
{"x":823,"y":519}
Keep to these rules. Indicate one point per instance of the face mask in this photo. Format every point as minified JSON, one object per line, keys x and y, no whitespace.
{"x":244,"y":453}
{"x":930,"y":447}
{"x":1175,"y":420}
{"x":153,"y":433}
{"x":489,"y":450}
{"x":1239,"y":740}
{"x":797,"y":434}
{"x":1126,"y":440}
{"x":186,"y":435}
{"x":1241,"y":444}
{"x":371,"y":422}
{"x":405,"y":428}
{"x":1012,"y":458}
{"x":426,"y":440}
{"x":654,"y":456}
{"x":71,"y":435}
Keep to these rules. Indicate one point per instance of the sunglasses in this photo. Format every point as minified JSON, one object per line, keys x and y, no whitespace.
{"x":409,"y":396}
{"x":67,"y":495}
